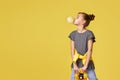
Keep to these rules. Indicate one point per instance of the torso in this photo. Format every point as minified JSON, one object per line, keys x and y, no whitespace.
{"x":81,"y":41}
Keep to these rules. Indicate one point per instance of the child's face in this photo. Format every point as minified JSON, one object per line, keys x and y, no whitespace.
{"x":79,"y":20}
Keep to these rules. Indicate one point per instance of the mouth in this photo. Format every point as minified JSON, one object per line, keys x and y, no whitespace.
{"x":74,"y":21}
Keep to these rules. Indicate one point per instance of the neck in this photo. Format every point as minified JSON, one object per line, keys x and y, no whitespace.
{"x":81,"y":28}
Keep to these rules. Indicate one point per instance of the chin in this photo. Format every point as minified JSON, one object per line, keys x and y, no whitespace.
{"x":75,"y":23}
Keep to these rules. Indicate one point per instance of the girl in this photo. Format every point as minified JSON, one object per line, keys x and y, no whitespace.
{"x":82,"y":40}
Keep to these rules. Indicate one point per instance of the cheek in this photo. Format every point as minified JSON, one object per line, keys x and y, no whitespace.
{"x":76,"y":21}
{"x":82,"y":22}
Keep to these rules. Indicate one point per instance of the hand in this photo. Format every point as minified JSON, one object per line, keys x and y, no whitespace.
{"x":76,"y":68}
{"x":84,"y":68}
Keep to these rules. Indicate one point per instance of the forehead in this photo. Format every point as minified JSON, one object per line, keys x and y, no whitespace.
{"x":80,"y":15}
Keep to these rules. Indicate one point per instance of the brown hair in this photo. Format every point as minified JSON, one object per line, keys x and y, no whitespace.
{"x":87,"y":17}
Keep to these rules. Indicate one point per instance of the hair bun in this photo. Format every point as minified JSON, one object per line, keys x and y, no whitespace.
{"x":91,"y":16}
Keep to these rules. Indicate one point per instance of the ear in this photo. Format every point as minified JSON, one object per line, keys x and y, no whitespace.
{"x":84,"y":21}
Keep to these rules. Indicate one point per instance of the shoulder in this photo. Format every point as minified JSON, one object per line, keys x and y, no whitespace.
{"x":73,"y":32}
{"x":72,"y":35}
{"x":90,"y":32}
{"x":91,"y":35}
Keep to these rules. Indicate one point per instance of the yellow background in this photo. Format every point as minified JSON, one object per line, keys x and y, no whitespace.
{"x":34,"y":43}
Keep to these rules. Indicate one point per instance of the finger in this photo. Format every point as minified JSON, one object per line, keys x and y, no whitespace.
{"x":82,"y":70}
{"x":78,"y":70}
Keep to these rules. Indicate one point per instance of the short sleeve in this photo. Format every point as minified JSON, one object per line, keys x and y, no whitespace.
{"x":72,"y":36}
{"x":91,"y":36}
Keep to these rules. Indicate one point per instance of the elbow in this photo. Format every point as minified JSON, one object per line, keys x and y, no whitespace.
{"x":89,"y":51}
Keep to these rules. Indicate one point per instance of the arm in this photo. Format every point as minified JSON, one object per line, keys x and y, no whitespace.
{"x":89,"y":52}
{"x":72,"y":55}
{"x":72,"y":47}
